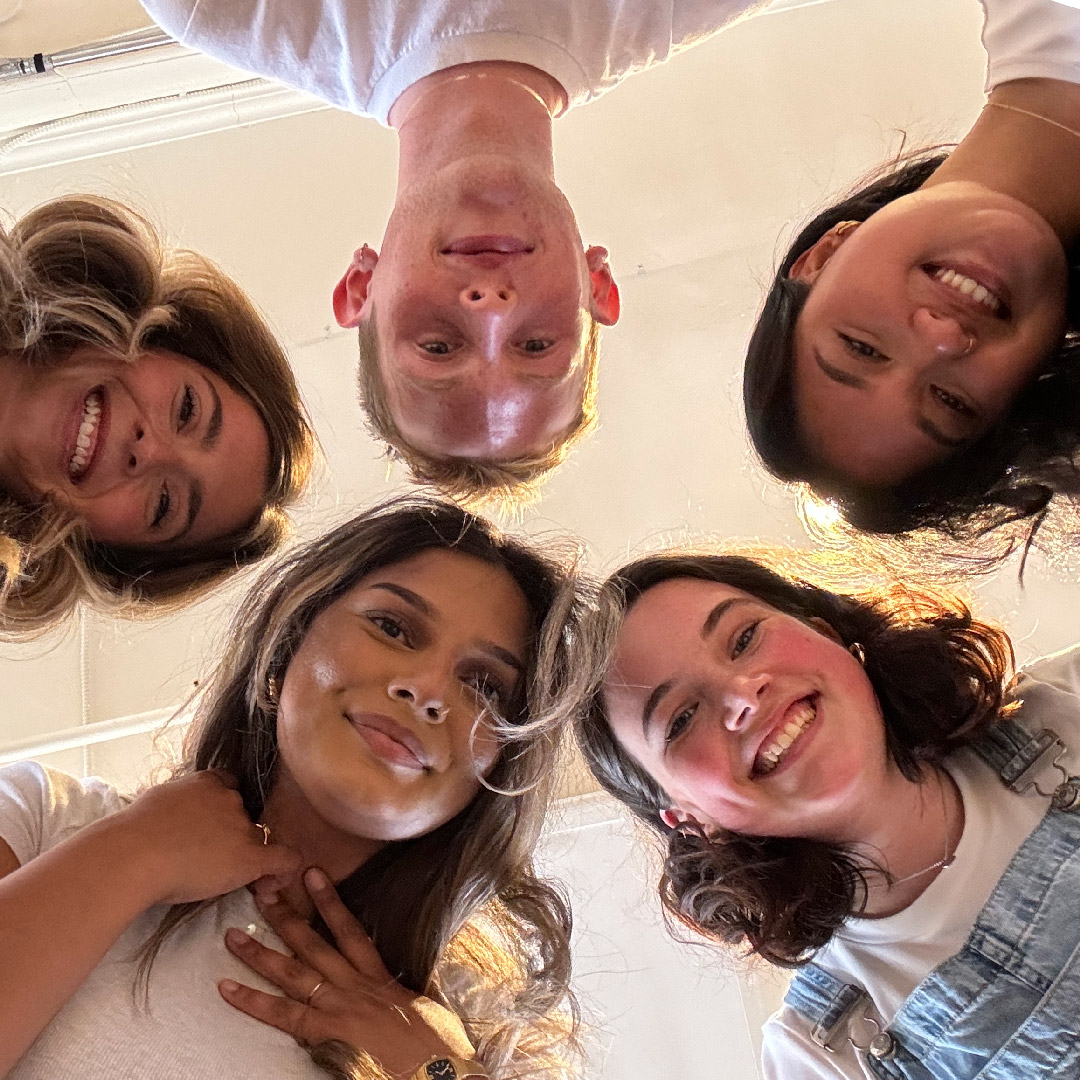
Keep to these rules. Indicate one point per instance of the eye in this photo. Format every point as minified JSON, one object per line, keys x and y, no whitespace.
{"x":536,"y":345}
{"x":860,"y":348}
{"x":436,"y":348}
{"x":188,"y":406}
{"x":679,"y":723}
{"x":161,"y":511}
{"x":391,"y":628}
{"x":745,"y":639}
{"x":952,"y":402}
{"x":489,"y":688}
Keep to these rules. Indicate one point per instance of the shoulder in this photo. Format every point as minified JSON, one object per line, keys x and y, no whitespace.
{"x":40,"y":806}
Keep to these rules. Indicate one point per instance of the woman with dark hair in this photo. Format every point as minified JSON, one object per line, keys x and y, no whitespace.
{"x":151,"y":430}
{"x":916,"y":357}
{"x":387,"y":709}
{"x":854,"y":786}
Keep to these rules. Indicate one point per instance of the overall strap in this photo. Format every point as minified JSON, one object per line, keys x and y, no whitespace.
{"x":1021,"y":758}
{"x":823,"y":1000}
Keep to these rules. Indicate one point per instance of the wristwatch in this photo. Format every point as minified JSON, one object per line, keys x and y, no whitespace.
{"x":449,"y":1068}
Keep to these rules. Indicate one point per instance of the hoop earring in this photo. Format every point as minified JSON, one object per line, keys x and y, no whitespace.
{"x":844,"y":227}
{"x":858,"y":652}
{"x":273,"y":688}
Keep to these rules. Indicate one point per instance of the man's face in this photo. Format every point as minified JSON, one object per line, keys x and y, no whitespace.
{"x":484,"y":296}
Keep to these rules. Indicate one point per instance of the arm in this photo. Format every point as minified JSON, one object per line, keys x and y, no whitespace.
{"x":62,"y":911}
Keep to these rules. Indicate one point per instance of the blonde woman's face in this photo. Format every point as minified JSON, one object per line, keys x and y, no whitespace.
{"x":382,"y":718}
{"x":159,"y":452}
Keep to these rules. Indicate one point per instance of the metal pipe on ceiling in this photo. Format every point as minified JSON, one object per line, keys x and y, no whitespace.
{"x":44,"y":63}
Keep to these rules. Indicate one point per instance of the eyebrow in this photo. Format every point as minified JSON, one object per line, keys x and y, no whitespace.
{"x":838,"y":375}
{"x":939,"y":436}
{"x":414,"y":599}
{"x":213,"y":429}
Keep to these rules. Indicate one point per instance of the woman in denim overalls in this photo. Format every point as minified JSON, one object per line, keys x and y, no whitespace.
{"x":854,"y":785}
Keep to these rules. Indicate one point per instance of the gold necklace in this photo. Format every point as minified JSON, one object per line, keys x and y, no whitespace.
{"x":1035,"y":116}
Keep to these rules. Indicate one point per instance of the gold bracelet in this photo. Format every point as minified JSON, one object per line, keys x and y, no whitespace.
{"x":449,"y":1068}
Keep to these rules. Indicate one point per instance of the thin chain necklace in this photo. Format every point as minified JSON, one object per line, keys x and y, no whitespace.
{"x":1034,"y":116}
{"x":947,"y":858}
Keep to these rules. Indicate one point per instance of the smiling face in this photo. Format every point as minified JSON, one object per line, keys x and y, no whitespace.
{"x":484,"y":297}
{"x":922,"y":325}
{"x":156,"y":452}
{"x":749,"y":719}
{"x":381,"y":719}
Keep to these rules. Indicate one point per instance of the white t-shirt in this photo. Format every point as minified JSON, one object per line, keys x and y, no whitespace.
{"x":890,"y":957}
{"x":189,"y":1032}
{"x":361,"y":55}
{"x":1029,"y":39}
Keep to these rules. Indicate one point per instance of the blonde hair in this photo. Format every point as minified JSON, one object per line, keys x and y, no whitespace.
{"x":435,"y":903}
{"x":87,"y":271}
{"x":474,"y":482}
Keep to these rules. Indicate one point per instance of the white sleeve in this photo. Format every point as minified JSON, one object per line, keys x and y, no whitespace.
{"x":1031,"y":39}
{"x":788,"y":1052}
{"x":40,"y":808}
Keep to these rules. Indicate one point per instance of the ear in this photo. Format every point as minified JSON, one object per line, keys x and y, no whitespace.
{"x":673,"y":817}
{"x":604,"y":302}
{"x":815,"y":258}
{"x":352,"y":301}
{"x":826,"y":628}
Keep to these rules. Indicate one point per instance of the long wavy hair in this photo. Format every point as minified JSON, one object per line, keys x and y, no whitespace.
{"x":468,"y":889}
{"x":940,"y":677}
{"x":1008,"y":477}
{"x":88,"y":271}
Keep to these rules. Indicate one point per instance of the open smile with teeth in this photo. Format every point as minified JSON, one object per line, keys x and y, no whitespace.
{"x":86,"y":440}
{"x":799,"y":718}
{"x":969,"y":287}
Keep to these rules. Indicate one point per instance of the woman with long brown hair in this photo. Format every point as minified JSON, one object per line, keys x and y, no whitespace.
{"x":151,"y":430}
{"x":387,"y":709}
{"x":853,"y":786}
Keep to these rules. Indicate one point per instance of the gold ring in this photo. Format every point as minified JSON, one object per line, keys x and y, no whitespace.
{"x":265,"y":832}
{"x":314,"y":990}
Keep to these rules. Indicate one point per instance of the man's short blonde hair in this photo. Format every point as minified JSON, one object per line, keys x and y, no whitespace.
{"x":473,"y":482}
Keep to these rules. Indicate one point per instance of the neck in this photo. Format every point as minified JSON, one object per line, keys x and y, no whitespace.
{"x":495,"y":108}
{"x":293,"y":821}
{"x":1025,"y":157}
{"x":906,"y":831}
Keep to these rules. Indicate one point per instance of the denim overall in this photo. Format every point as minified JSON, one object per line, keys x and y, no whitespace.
{"x":1007,"y":1006}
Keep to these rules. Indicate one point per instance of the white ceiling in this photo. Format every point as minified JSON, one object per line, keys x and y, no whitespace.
{"x":688,"y":174}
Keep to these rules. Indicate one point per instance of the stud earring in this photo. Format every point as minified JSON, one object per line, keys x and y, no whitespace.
{"x":858,"y":652}
{"x":273,"y":688}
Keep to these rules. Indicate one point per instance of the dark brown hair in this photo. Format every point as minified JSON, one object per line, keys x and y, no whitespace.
{"x":1009,"y":476}
{"x":939,"y":676}
{"x":416,"y":896}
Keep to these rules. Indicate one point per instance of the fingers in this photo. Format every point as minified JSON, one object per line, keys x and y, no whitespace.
{"x":305,"y":943}
{"x":280,"y":1012}
{"x":288,"y":973}
{"x":354,"y":944}
{"x":277,"y":861}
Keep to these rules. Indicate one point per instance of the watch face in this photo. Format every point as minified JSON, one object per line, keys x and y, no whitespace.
{"x":443,"y":1069}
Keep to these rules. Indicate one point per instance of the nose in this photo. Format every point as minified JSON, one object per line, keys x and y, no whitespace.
{"x":742,"y":698}
{"x":144,"y":448}
{"x":426,"y":704}
{"x":482,"y":297}
{"x":945,"y":336}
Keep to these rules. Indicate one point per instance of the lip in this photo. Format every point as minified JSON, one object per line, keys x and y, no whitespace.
{"x":776,"y":722}
{"x":488,"y":245}
{"x":390,"y":740}
{"x":72,"y":432}
{"x":979,"y":273}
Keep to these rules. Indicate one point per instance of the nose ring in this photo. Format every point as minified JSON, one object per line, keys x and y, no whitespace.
{"x":970,"y":347}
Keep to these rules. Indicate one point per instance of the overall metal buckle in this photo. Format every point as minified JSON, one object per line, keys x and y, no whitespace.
{"x":1066,"y":795}
{"x":882,"y":1044}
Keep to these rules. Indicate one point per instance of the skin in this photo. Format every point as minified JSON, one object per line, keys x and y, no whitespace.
{"x":483,"y":287}
{"x":894,"y":370}
{"x":333,"y":801}
{"x":730,"y":669}
{"x":156,"y":456}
